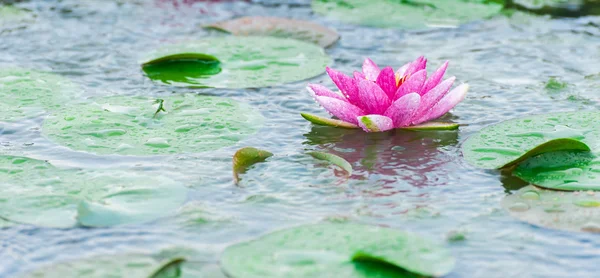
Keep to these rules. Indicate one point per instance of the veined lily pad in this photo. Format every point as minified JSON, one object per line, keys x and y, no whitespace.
{"x":243,"y":62}
{"x":129,"y":265}
{"x":407,"y":14}
{"x":36,"y":193}
{"x":334,"y":159}
{"x":566,"y":170}
{"x":246,"y":157}
{"x":508,"y":143}
{"x":147,"y":126}
{"x":27,"y":93}
{"x":336,"y":250}
{"x":278,"y":27}
{"x":318,"y":120}
{"x":573,"y":211}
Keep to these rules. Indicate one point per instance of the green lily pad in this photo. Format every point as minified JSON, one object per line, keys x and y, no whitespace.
{"x":572,"y":211}
{"x":407,"y":14}
{"x":123,"y":265}
{"x":510,"y":142}
{"x":334,"y":159}
{"x":147,"y":126}
{"x":34,"y":192}
{"x":566,"y":170}
{"x":246,"y":157}
{"x":27,"y":93}
{"x":318,"y":120}
{"x":336,"y":250}
{"x":278,"y":27}
{"x":239,"y":62}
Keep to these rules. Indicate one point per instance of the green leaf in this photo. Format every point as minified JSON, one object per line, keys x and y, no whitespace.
{"x":432,"y":126}
{"x":34,"y":192}
{"x":115,"y":265}
{"x":572,"y":211}
{"x":128,"y":126}
{"x":326,"y":121}
{"x":27,"y":93}
{"x":566,"y":170}
{"x":244,"y":62}
{"x":170,"y":269}
{"x":336,"y":250}
{"x":407,"y":14}
{"x":246,"y":157}
{"x":278,"y":27}
{"x":507,"y":143}
{"x":334,"y":159}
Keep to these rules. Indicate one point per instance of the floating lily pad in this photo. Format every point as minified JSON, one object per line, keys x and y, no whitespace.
{"x":279,"y":27}
{"x":36,"y":193}
{"x":127,"y":265}
{"x":507,"y":143}
{"x":138,"y":125}
{"x":336,"y":250}
{"x":566,"y":170}
{"x":27,"y":93}
{"x":334,"y":159}
{"x":573,"y":211}
{"x":407,"y":14}
{"x":241,"y":62}
{"x":318,"y":120}
{"x":246,"y":157}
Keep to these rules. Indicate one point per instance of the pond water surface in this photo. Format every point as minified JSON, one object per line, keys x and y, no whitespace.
{"x":415,"y":181}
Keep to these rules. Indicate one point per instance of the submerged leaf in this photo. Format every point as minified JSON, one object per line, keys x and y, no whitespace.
{"x":246,"y":157}
{"x":407,"y":14}
{"x":128,"y":126}
{"x":278,"y":27}
{"x":334,"y":159}
{"x":235,"y":62}
{"x":169,"y":269}
{"x":572,"y":211}
{"x":507,"y":143}
{"x":340,"y":249}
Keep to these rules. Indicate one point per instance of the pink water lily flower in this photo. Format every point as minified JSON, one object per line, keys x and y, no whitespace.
{"x":381,"y":99}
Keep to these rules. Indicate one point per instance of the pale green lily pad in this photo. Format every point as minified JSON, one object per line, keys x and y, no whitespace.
{"x":243,"y":62}
{"x":510,"y":142}
{"x":336,"y":250}
{"x":334,"y":159}
{"x":572,"y":211}
{"x":34,"y":192}
{"x":137,"y":126}
{"x":121,"y":265}
{"x":407,"y":14}
{"x":27,"y":93}
{"x":246,"y":157}
{"x":278,"y":27}
{"x":566,"y":170}
{"x":431,"y":126}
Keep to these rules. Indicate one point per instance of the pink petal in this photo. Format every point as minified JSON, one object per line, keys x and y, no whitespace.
{"x":359,"y":75}
{"x":402,"y":70}
{"x":448,"y":102}
{"x":370,"y":69}
{"x":387,"y":81}
{"x":435,"y":78}
{"x":341,"y":109}
{"x":375,"y":123}
{"x":412,"y":85}
{"x":373,"y":98}
{"x":432,"y":97}
{"x":345,"y":83}
{"x":402,"y":110}
{"x":419,"y":64}
{"x":322,"y":91}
